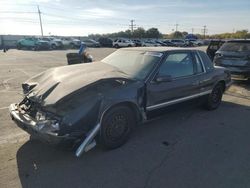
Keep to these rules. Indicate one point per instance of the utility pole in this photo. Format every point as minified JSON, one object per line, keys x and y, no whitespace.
{"x":41,"y":25}
{"x":192,"y":31}
{"x":176,"y":27}
{"x":132,"y":25}
{"x":204,"y":31}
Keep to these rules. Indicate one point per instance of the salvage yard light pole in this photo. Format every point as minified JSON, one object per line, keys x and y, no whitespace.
{"x":41,"y":25}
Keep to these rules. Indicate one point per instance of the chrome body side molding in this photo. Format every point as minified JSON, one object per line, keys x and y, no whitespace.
{"x":168,"y":103}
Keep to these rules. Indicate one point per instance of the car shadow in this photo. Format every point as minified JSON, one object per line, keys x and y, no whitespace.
{"x":40,"y":165}
{"x":242,"y":83}
{"x":240,"y":88}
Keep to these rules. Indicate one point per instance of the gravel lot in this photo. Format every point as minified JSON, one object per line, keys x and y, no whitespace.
{"x":187,"y":147}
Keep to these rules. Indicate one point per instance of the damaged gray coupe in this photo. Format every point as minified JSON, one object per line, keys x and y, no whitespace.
{"x":80,"y":105}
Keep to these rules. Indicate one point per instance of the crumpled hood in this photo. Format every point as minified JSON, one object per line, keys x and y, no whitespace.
{"x":56,"y":83}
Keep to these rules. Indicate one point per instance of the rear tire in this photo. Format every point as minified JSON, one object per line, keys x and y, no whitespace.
{"x":214,"y":98}
{"x":116,"y":127}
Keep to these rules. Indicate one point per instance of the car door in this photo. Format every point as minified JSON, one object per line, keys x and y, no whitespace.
{"x":32,"y":42}
{"x":123,"y":43}
{"x":175,"y":81}
{"x":26,"y":42}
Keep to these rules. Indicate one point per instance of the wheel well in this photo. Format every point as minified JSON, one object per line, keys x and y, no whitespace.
{"x":131,"y":106}
{"x":223,"y":84}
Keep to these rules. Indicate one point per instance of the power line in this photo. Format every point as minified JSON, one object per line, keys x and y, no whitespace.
{"x":16,"y":12}
{"x":79,"y":20}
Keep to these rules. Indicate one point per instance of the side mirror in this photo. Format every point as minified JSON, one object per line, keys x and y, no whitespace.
{"x":166,"y":78}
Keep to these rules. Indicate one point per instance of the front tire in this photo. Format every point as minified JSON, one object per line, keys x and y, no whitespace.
{"x":215,"y":97}
{"x":116,"y":127}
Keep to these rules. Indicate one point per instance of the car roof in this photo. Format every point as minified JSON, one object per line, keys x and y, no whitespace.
{"x":160,"y":49}
{"x":239,"y":41}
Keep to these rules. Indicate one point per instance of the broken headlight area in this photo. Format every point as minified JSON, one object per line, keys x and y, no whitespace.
{"x":48,"y":126}
{"x":45,"y":121}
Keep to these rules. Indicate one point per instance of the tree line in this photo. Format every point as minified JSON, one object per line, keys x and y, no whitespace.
{"x":137,"y":33}
{"x":155,"y":33}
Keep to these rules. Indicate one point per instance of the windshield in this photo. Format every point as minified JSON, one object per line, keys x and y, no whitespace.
{"x":137,"y":64}
{"x":236,"y":47}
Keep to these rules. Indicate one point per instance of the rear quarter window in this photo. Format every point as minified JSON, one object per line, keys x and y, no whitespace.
{"x":206,"y":61}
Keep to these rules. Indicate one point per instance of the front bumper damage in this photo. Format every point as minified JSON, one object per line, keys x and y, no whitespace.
{"x":30,"y":125}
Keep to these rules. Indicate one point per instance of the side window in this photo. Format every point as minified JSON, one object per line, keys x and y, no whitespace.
{"x":177,"y":65}
{"x":198,"y":64}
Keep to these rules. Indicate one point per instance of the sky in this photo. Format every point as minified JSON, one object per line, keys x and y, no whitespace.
{"x":84,"y":17}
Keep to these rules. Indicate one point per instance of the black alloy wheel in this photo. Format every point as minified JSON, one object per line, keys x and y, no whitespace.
{"x":215,"y":97}
{"x":116,"y":127}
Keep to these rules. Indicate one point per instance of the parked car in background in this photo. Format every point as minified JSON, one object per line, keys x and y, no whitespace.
{"x":160,"y":42}
{"x":79,"y":104}
{"x":178,"y":42}
{"x":149,"y":43}
{"x":212,"y":48}
{"x":105,"y":42}
{"x":118,"y":43}
{"x":235,"y":56}
{"x":33,"y":43}
{"x":137,"y":42}
{"x":168,"y":43}
{"x":55,"y":43}
{"x":194,"y":42}
{"x":71,"y":42}
{"x":91,"y":43}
